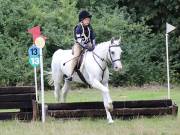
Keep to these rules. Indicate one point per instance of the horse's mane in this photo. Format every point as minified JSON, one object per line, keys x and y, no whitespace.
{"x":101,"y":45}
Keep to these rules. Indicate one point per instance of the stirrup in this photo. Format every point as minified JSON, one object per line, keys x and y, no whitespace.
{"x":69,"y":78}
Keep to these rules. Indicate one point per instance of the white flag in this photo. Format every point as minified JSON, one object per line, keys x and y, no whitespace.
{"x":169,"y":28}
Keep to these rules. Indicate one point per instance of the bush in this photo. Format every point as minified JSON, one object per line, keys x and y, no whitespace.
{"x":56,"y":19}
{"x":143,"y":55}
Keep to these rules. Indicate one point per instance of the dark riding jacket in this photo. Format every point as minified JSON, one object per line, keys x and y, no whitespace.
{"x":84,"y":35}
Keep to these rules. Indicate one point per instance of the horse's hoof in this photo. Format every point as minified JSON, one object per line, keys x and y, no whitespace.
{"x":110,"y":122}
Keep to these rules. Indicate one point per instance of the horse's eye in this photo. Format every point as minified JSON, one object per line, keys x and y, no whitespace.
{"x":112,"y":52}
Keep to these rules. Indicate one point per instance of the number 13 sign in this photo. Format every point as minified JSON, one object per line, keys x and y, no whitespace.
{"x":34,"y":54}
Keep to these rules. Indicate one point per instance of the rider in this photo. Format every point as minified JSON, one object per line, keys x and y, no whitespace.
{"x":84,"y":39}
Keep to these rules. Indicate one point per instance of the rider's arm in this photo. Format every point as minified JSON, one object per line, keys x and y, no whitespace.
{"x":78,"y":35}
{"x":92,"y":37}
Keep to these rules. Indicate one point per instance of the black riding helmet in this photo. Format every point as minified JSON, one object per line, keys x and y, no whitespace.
{"x":84,"y":14}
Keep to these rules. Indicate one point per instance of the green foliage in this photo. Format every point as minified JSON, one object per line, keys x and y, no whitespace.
{"x":143,"y":55}
{"x":143,"y":44}
{"x":57,"y":20}
{"x":155,"y":12}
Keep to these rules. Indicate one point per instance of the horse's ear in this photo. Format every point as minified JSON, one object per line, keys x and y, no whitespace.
{"x":112,"y":40}
{"x":119,"y":40}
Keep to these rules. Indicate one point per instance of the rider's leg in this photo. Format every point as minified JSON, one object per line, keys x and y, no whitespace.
{"x":76,"y":52}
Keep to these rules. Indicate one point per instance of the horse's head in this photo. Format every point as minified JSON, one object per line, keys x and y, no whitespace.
{"x":114,"y":54}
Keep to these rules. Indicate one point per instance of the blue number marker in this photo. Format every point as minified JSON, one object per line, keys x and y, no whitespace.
{"x":34,"y":51}
{"x":34,"y":54}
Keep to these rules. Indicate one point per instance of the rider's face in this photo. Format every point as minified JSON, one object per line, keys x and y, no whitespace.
{"x":86,"y":21}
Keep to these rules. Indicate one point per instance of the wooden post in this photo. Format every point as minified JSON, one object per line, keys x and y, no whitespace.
{"x":35,"y":110}
{"x":174,"y":110}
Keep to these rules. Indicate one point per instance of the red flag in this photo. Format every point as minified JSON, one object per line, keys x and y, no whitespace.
{"x":35,"y":31}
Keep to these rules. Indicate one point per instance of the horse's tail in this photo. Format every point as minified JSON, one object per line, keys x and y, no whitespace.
{"x":49,"y":77}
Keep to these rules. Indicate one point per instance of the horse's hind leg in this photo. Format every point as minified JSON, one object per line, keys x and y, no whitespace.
{"x":65,"y":90}
{"x":57,"y":90}
{"x":57,"y":78}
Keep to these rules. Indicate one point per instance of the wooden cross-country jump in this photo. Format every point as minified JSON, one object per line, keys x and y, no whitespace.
{"x":122,"y":109}
{"x":22,"y":99}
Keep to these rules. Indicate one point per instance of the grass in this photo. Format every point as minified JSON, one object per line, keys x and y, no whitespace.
{"x":166,"y":125}
{"x":135,"y":93}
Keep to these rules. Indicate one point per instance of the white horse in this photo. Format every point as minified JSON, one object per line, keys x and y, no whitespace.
{"x":94,"y":69}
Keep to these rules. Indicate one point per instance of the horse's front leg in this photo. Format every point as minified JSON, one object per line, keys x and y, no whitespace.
{"x":106,"y":98}
{"x":109,"y":97}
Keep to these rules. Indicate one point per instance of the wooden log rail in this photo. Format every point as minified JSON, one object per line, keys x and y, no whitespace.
{"x":121,"y":109}
{"x":21,"y":100}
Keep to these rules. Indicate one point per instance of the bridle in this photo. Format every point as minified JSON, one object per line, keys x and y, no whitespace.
{"x":112,"y":61}
{"x":103,"y":60}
